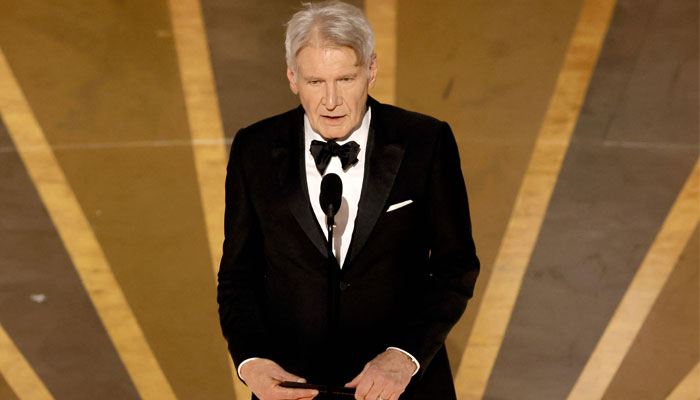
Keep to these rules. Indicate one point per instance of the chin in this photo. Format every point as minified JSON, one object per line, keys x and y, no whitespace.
{"x":334,"y":133}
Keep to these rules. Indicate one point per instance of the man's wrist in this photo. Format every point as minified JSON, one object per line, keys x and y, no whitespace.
{"x":240,"y":366}
{"x":409,"y":356}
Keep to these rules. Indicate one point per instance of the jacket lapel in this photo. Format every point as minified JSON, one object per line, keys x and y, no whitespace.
{"x":287,"y":154}
{"x":385,"y":152}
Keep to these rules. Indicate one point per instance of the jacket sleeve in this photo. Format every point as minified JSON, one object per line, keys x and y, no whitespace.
{"x":453,"y":266}
{"x":242,"y":265}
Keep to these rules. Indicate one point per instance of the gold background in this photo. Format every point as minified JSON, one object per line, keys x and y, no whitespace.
{"x":577,"y":123}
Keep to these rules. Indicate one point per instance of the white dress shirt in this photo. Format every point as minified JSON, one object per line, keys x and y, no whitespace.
{"x":352,"y":187}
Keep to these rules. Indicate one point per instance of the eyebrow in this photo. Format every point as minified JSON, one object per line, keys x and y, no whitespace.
{"x":316,"y":78}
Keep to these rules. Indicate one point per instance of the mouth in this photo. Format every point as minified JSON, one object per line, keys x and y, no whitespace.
{"x":333,"y":119}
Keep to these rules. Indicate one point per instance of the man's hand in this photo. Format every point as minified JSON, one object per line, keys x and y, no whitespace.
{"x":385,"y":377}
{"x":264,"y":376}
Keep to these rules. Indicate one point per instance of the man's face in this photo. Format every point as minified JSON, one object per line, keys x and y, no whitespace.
{"x":332,"y":88}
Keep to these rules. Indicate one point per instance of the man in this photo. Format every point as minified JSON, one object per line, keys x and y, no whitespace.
{"x":403,"y":253}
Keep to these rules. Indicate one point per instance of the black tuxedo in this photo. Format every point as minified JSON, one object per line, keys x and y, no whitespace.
{"x":408,"y":273}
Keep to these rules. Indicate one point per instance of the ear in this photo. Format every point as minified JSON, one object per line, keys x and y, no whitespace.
{"x":292,"y":81}
{"x":373,"y":70}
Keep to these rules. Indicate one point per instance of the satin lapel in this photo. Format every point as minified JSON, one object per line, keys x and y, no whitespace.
{"x":380,"y":171}
{"x":287,"y":154}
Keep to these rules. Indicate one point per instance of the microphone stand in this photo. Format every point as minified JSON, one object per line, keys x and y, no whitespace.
{"x":333,"y":268}
{"x":331,"y":199}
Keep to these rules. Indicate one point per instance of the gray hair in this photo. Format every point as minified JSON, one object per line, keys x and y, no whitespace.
{"x":333,"y":22}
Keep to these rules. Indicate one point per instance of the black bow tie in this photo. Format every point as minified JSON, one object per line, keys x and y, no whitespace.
{"x":323,"y":151}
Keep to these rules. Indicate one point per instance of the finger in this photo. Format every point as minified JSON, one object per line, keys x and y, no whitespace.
{"x":288,"y":393}
{"x":353,"y":383}
{"x":388,"y":395}
{"x":374,"y":392}
{"x":362,"y":390}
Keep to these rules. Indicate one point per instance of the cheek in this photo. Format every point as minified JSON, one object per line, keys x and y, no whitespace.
{"x":307,"y":102}
{"x":358,"y":96}
{"x":310,"y":97}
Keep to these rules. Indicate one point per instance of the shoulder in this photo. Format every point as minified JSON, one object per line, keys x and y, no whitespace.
{"x":266,"y":131}
{"x":403,"y":118}
{"x":408,"y":126}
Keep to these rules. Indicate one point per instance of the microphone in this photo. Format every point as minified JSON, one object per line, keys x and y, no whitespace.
{"x":331,"y":195}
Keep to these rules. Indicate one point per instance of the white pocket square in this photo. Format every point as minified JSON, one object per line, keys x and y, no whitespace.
{"x":398,"y":205}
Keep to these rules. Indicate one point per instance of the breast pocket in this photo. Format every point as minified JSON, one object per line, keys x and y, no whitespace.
{"x":399,"y":205}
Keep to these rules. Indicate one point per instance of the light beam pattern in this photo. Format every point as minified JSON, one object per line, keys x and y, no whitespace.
{"x":689,"y":387}
{"x":206,"y":129}
{"x":382,"y":16}
{"x":532,"y":200}
{"x":18,"y":373}
{"x":641,"y":294}
{"x":79,"y":239}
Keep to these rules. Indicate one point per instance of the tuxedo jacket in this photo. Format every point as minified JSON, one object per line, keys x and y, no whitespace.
{"x":408,"y":273}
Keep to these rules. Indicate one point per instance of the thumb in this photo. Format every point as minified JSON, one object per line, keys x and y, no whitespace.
{"x":286,"y":376}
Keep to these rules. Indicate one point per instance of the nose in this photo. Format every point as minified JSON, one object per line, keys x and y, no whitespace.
{"x":333,"y":98}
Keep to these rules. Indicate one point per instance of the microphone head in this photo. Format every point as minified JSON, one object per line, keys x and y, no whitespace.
{"x":331,"y":194}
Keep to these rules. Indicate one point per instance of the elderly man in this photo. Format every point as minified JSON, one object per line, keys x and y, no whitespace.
{"x":403,"y":263}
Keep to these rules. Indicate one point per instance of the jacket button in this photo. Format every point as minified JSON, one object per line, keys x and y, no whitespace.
{"x":344,"y":285}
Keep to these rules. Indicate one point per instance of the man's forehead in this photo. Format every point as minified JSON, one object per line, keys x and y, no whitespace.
{"x":318,"y":70}
{"x":322,"y":57}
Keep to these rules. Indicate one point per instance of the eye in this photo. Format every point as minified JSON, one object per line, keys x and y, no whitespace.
{"x":314,"y":82}
{"x":347,"y":79}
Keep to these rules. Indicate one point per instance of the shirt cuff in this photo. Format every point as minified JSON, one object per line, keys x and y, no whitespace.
{"x":238,"y":370}
{"x":394,"y":348}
